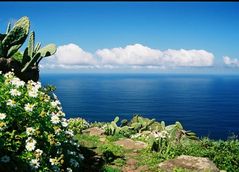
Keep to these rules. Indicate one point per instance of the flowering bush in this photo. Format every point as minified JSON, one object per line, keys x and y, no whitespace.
{"x":33,"y":131}
{"x":77,"y":125}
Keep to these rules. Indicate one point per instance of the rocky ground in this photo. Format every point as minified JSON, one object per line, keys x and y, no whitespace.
{"x":127,"y":155}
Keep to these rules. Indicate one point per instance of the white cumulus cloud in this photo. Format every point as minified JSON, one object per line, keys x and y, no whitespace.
{"x":72,"y":54}
{"x":130,"y":55}
{"x":138,"y":54}
{"x":230,"y":61}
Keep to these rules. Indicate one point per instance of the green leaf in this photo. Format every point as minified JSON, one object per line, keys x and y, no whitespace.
{"x":18,"y":34}
{"x":116,"y":119}
{"x":8,"y":28}
{"x":31,"y":43}
{"x":48,"y":50}
{"x":31,"y":62}
{"x":13,"y":50}
{"x":38,"y":46}
{"x":26,"y":58}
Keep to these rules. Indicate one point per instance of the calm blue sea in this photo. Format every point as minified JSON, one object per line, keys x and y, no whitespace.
{"x":205,"y":104}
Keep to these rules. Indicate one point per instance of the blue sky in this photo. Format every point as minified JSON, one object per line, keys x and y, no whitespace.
{"x":137,"y":31}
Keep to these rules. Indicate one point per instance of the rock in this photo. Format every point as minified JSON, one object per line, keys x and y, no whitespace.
{"x":143,"y":168}
{"x":194,"y":164}
{"x":131,"y":165}
{"x":131,"y":162}
{"x":96,"y":131}
{"x":131,"y":144}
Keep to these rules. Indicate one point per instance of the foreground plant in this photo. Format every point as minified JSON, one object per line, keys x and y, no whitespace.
{"x":25,"y":65}
{"x":33,"y":131}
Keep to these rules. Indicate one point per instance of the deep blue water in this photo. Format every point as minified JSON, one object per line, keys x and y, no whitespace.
{"x":205,"y":104}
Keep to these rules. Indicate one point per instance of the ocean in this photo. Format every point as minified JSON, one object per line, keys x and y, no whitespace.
{"x":205,"y":104}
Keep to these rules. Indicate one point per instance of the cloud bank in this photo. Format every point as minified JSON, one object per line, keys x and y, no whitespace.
{"x":230,"y":62}
{"x":141,"y":55}
{"x":71,"y":56}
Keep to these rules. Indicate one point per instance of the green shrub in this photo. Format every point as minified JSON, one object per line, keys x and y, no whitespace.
{"x":225,"y":154}
{"x":77,"y":125}
{"x":33,"y":131}
{"x":110,"y":169}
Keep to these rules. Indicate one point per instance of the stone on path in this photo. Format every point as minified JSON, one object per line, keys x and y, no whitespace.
{"x":193,"y":164}
{"x":131,"y":144}
{"x":131,"y":166}
{"x":96,"y":131}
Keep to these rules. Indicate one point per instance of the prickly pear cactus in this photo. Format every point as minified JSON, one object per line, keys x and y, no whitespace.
{"x":26,"y":65}
{"x":16,"y":36}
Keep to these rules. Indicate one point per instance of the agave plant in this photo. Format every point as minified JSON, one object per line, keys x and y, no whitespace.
{"x":26,"y":65}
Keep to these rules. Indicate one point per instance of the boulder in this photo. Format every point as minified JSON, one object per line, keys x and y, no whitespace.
{"x":190,"y":163}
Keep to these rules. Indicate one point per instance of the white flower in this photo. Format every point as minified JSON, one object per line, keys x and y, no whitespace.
{"x":9,"y":75}
{"x":57,"y":131}
{"x":74,"y":163}
{"x":54,"y":104}
{"x":5,"y":159}
{"x":37,"y":85}
{"x":33,"y":93}
{"x":60,"y":113}
{"x":53,"y":161}
{"x":55,"y":119}
{"x":30,"y":131}
{"x":30,"y":146}
{"x":0,"y":72}
{"x":2,"y":116}
{"x":64,"y":123}
{"x":46,"y":98}
{"x":17,"y":82}
{"x":34,"y":163}
{"x":58,"y":102}
{"x":15,"y":92}
{"x":34,"y":85}
{"x":69,"y":170}
{"x":11,"y":103}
{"x":38,"y":152}
{"x":70,"y":132}
{"x":29,"y":107}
